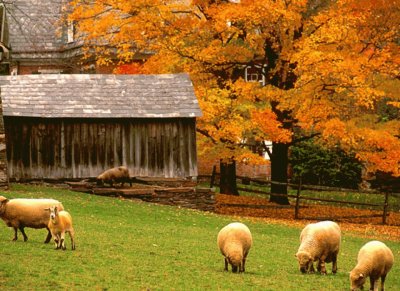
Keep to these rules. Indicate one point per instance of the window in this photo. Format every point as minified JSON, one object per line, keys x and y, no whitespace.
{"x":255,"y":73}
{"x":70,"y":31}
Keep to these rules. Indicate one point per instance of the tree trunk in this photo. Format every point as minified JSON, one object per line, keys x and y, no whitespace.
{"x":279,"y":166}
{"x":227,"y":180}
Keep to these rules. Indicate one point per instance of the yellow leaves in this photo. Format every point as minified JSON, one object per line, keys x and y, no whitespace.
{"x":326,"y":76}
{"x":378,"y":147}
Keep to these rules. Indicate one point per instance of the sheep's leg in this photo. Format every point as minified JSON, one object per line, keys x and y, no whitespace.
{"x":383,"y":278}
{"x":334,"y":263}
{"x":321,"y":265}
{"x":241,"y":269}
{"x":373,"y":286}
{"x":72,"y":236}
{"x":311,"y":268}
{"x":62,"y":241}
{"x":15,"y":233}
{"x":226,"y":265}
{"x":48,"y":238}
{"x":56,"y":241}
{"x":21,"y":228}
{"x":243,"y":264}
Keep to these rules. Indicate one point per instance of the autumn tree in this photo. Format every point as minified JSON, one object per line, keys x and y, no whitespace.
{"x":325,"y":66}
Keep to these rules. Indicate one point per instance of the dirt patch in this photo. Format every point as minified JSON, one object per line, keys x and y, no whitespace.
{"x":258,"y":208}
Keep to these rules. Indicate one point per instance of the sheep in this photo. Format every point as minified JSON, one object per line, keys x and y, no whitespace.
{"x":60,"y":222}
{"x":117,"y":174}
{"x":22,"y":212}
{"x":375,"y":260}
{"x":234,"y":241}
{"x":319,"y":241}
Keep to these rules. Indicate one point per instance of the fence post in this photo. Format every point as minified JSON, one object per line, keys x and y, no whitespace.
{"x":296,"y":209}
{"x":214,"y":173}
{"x":385,"y":207}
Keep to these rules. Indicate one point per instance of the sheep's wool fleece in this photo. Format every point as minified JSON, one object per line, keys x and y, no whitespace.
{"x":30,"y":211}
{"x":375,"y":255}
{"x":323,"y":234}
{"x":237,"y":233}
{"x":114,"y":173}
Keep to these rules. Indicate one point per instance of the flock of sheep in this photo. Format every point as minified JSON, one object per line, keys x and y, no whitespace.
{"x":49,"y":213}
{"x":319,"y":242}
{"x":19,"y":213}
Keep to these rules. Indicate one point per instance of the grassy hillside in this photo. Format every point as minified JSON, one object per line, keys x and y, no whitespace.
{"x":125,"y":244}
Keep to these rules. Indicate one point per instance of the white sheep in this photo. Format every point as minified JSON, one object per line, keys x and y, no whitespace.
{"x":117,"y":174}
{"x":319,"y":242}
{"x":374,"y":260}
{"x":60,"y":222}
{"x":22,"y":212}
{"x":234,"y":241}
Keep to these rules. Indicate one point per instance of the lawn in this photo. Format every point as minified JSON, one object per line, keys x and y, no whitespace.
{"x":128,"y":244}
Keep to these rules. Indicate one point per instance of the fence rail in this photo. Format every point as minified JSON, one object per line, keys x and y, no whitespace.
{"x":298,"y":197}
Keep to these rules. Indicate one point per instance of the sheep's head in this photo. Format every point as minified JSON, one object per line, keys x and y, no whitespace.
{"x":3,"y":202}
{"x":100,"y":180}
{"x":305,"y":261}
{"x":53,"y":212}
{"x":235,"y":258}
{"x":357,"y":280}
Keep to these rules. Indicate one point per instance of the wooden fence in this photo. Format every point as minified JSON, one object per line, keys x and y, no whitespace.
{"x":299,"y":197}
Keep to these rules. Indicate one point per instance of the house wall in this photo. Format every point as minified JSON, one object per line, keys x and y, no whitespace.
{"x":81,"y":148}
{"x":3,"y":159}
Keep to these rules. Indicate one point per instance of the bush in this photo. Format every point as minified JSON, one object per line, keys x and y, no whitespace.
{"x":328,"y":167}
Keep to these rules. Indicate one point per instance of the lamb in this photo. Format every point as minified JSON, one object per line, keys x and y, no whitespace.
{"x":61,"y":222}
{"x":234,"y":241}
{"x":319,"y":241}
{"x":375,"y":260}
{"x":21,"y":212}
{"x":117,"y":174}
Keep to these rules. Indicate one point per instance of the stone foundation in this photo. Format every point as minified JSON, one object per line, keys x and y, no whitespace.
{"x":176,"y":194}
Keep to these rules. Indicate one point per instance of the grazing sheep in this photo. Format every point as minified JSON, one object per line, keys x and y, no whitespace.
{"x":375,"y":260}
{"x":20,"y":213}
{"x":319,"y":241}
{"x":61,"y":222}
{"x":117,"y":174}
{"x":235,"y":241}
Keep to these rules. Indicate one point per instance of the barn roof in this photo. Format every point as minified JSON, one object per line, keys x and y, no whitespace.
{"x":99,"y":96}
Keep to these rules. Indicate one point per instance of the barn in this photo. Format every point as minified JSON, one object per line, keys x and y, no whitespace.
{"x":75,"y":126}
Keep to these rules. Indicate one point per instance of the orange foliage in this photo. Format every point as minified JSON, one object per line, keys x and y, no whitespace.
{"x":327,"y":65}
{"x":260,"y":208}
{"x":133,"y":68}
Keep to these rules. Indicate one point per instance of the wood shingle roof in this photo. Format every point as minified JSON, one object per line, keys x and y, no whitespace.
{"x":99,"y":96}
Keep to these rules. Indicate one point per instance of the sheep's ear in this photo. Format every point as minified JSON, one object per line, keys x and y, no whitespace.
{"x":361,"y":276}
{"x":3,"y":199}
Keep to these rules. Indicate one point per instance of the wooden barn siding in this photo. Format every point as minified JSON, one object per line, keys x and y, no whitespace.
{"x":81,"y":148}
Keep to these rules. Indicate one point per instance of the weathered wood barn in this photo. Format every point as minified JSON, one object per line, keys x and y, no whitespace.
{"x":75,"y":126}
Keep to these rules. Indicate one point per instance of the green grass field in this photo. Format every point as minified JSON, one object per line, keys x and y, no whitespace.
{"x":131,"y":245}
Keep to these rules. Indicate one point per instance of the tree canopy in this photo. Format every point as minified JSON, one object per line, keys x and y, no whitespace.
{"x":328,"y":67}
